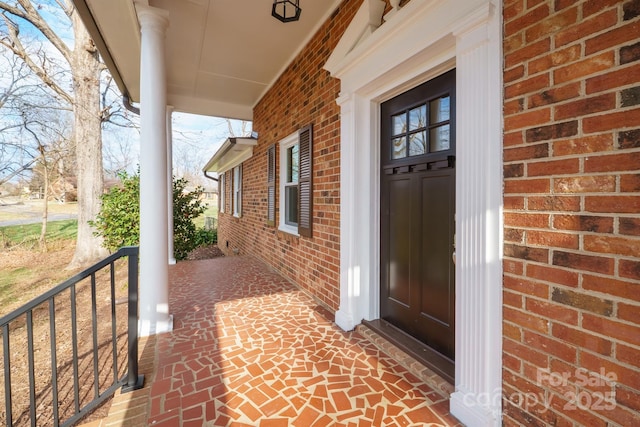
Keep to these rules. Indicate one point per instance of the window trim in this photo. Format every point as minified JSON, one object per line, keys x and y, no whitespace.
{"x":290,"y":183}
{"x":236,"y":191}
{"x":221,"y":192}
{"x":285,"y":144}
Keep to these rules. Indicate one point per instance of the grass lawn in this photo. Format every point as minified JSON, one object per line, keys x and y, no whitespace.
{"x":26,"y":271}
{"x":29,"y":234}
{"x":211,"y":211}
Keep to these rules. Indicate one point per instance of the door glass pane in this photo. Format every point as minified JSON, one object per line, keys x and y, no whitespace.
{"x":439,"y":139}
{"x":399,"y":124}
{"x":399,"y":148}
{"x":417,"y":143}
{"x":291,"y":205}
{"x":440,"y":109}
{"x":418,"y":118}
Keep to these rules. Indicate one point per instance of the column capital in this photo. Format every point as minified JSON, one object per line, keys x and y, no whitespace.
{"x":152,"y":18}
{"x":476,"y":18}
{"x":345,"y":100}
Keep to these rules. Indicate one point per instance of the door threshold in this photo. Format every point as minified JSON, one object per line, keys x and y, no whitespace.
{"x":420,"y":361}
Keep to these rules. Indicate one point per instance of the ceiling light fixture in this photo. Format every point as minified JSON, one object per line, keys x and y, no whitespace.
{"x":286,"y":10}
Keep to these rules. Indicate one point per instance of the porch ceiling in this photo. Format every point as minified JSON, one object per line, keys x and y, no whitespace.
{"x":222,"y":55}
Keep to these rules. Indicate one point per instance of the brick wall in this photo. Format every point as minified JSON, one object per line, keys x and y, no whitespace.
{"x":304,"y":94}
{"x":572,"y":205}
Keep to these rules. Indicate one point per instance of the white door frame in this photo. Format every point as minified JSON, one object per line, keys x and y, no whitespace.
{"x":418,"y":42}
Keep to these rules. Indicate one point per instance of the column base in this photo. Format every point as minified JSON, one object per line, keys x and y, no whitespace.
{"x":345,"y":320}
{"x":473,"y":409}
{"x":147,"y":327}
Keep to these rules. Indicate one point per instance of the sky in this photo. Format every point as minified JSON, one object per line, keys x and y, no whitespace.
{"x":195,"y":139}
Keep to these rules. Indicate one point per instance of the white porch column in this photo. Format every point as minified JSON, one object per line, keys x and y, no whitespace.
{"x":477,"y":400}
{"x":172,"y":258}
{"x":347,"y":317}
{"x":154,"y":277}
{"x":359,"y":238}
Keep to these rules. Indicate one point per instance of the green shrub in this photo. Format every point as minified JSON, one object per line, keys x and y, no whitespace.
{"x":119,"y":219}
{"x":186,"y":207}
{"x":206,"y":237}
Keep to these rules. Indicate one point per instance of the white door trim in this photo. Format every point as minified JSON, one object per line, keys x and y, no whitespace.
{"x":419,"y":42}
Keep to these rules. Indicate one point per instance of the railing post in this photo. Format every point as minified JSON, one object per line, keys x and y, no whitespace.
{"x":134,"y":381}
{"x":7,"y":373}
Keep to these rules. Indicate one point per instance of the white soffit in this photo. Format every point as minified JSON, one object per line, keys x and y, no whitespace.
{"x":120,"y":29}
{"x":221,"y":55}
{"x":232,"y":152}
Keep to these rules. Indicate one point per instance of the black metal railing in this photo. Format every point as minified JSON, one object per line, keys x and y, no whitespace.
{"x":80,"y":396}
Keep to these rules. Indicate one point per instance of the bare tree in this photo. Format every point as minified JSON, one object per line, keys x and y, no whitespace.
{"x":14,"y":73}
{"x":191,"y":147}
{"x":45,"y":209}
{"x":81,"y":91}
{"x":48,"y":131}
{"x":120,"y":151}
{"x":14,"y":157}
{"x":244,"y":128}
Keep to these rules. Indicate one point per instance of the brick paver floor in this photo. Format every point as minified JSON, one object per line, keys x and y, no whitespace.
{"x":250,"y":349}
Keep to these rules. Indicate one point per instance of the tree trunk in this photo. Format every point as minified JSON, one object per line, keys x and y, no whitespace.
{"x":88,"y":143}
{"x":45,"y":209}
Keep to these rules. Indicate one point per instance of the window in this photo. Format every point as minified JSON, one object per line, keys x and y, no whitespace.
{"x":291,"y":167}
{"x":236,"y":194}
{"x":422,"y":129}
{"x":295,"y":183}
{"x":221,"y":191}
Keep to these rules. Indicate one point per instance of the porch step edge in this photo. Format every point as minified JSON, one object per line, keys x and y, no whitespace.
{"x":441,"y":385}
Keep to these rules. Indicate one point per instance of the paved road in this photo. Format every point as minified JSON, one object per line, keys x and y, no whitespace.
{"x":27,"y":214}
{"x":36,"y":219}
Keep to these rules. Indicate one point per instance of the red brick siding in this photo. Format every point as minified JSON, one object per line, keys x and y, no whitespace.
{"x":305,"y":93}
{"x":572,"y":210}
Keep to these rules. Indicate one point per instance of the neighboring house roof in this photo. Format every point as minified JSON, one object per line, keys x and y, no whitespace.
{"x":221,"y":55}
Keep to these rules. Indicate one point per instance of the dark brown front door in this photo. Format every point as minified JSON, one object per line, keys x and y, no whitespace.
{"x":417,"y":214}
